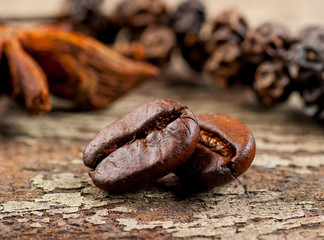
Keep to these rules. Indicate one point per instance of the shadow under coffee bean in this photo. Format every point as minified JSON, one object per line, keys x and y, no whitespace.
{"x":164,"y":136}
{"x":142,"y":146}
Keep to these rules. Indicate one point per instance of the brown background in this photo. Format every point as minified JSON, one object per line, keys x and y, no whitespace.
{"x":45,"y":191}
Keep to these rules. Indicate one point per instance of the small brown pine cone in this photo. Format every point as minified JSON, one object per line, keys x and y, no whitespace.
{"x":229,"y":26}
{"x":225,"y":64}
{"x":269,"y":41}
{"x":272,"y":83}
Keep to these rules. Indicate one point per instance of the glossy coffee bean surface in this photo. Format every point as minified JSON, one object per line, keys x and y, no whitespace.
{"x":225,"y":150}
{"x":142,"y":146}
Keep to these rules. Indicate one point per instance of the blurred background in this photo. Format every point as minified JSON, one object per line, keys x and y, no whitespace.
{"x":292,"y":13}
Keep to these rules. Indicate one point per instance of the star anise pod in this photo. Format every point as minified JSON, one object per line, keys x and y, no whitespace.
{"x":21,"y":77}
{"x":75,"y":67}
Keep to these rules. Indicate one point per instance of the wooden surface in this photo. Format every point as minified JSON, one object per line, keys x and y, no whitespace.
{"x":45,"y":191}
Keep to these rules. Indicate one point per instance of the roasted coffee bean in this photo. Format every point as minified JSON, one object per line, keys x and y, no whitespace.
{"x":142,"y":146}
{"x":225,"y":150}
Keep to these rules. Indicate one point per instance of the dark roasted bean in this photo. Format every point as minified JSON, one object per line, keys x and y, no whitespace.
{"x":142,"y":146}
{"x":225,"y":150}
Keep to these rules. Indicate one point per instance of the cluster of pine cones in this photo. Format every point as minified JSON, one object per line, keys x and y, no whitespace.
{"x":267,"y":58}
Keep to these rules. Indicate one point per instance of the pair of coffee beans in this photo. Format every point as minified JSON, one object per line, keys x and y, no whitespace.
{"x":164,"y":136}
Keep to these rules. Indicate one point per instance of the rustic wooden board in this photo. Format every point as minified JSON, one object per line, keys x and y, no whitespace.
{"x":45,"y":192}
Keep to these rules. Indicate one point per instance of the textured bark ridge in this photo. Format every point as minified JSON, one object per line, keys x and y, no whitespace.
{"x":47,"y":193}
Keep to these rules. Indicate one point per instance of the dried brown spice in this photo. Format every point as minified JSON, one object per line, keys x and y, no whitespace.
{"x":306,"y":65}
{"x":272,"y":83}
{"x":306,"y":57}
{"x":313,"y":97}
{"x":139,"y":14}
{"x":76,"y":67}
{"x":228,"y":31}
{"x":188,"y":18}
{"x":22,"y":79}
{"x":186,"y":22}
{"x":154,"y":45}
{"x":268,"y":41}
{"x":144,"y":34}
{"x":85,"y":16}
{"x":194,"y":52}
{"x":225,"y":64}
{"x":229,"y":26}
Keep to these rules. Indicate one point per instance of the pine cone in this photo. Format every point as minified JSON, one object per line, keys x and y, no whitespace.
{"x":272,"y":83}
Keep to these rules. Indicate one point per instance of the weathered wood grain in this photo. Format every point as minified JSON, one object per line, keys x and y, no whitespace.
{"x":45,"y":192}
